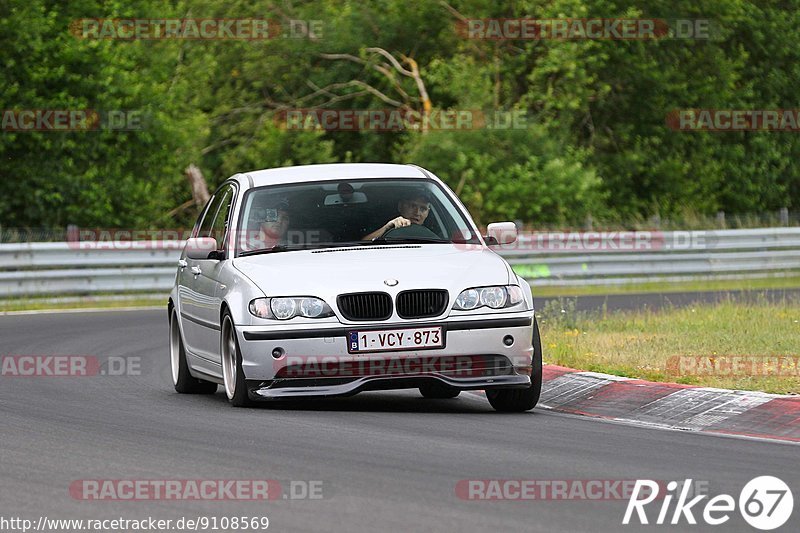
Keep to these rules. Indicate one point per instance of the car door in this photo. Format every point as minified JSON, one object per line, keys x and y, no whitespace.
{"x":200,"y":302}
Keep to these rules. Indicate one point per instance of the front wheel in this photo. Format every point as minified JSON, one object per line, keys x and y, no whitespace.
{"x":519,"y":400}
{"x":232,"y":374}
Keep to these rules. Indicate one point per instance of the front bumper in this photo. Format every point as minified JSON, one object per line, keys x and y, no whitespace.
{"x":316,"y":363}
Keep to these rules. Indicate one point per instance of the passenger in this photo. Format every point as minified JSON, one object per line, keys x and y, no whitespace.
{"x":274,"y":224}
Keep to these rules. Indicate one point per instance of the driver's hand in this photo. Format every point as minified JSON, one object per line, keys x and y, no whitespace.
{"x":398,"y":222}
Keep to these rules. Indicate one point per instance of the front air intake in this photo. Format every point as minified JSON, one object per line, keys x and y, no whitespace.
{"x":425,"y":303}
{"x":365,"y":306}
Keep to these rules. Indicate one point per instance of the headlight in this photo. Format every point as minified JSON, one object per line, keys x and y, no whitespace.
{"x":290,"y":307}
{"x":260,"y":308}
{"x":494,"y":297}
{"x":468,"y":299}
{"x":283,"y":308}
{"x":312,"y":307}
{"x":497,"y":297}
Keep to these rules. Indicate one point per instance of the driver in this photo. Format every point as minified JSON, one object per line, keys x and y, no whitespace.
{"x":413,"y":208}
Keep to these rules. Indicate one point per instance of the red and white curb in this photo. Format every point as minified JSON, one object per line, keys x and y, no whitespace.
{"x":671,"y":405}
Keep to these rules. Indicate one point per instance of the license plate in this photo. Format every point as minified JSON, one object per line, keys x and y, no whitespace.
{"x":387,"y":340}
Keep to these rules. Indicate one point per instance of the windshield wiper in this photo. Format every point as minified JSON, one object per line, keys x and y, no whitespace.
{"x":292,"y":247}
{"x":408,"y":240}
{"x":271,"y":249}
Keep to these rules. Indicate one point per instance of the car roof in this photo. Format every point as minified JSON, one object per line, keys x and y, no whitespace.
{"x":335,"y":171}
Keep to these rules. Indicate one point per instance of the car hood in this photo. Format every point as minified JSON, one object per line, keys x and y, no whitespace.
{"x":329,"y":272}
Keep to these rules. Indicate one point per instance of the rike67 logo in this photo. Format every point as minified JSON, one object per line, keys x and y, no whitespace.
{"x":765,"y":503}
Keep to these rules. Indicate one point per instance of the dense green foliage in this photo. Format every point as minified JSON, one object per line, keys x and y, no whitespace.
{"x":596,"y":140}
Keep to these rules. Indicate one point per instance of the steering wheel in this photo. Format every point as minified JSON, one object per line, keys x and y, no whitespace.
{"x":412,"y":231}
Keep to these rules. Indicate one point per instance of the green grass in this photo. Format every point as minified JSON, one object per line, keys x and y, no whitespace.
{"x":788,"y":282}
{"x":642,"y":344}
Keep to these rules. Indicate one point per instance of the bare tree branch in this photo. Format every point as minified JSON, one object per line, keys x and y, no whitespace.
{"x":423,"y":92}
{"x":389,"y":57}
{"x":379,"y":94}
{"x":367,"y":89}
{"x":380,"y":68}
{"x":453,"y":11}
{"x":463,"y":20}
{"x":183,"y":207}
{"x":411,"y":72}
{"x":349,"y":57}
{"x":211,"y":147}
{"x":198,"y":183}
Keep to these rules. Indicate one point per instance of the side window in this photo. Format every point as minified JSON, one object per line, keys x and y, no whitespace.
{"x":215,"y":221}
{"x":220,"y":224}
{"x":204,"y":227}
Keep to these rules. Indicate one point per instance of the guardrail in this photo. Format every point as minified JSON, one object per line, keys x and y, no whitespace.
{"x":57,"y":268}
{"x":594,"y":258}
{"x":544,"y":258}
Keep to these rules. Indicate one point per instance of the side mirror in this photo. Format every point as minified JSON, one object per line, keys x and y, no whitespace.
{"x":200,"y":248}
{"x":500,"y":233}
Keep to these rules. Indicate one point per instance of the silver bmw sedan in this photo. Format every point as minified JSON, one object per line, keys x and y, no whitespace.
{"x":328,"y":280}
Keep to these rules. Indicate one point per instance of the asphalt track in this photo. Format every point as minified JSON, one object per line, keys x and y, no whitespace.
{"x":388,"y":461}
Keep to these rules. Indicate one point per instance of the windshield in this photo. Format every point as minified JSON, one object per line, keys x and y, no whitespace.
{"x":279,"y":218}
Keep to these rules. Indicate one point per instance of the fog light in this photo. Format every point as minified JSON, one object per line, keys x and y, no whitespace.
{"x":508,"y":340}
{"x":277,"y":353}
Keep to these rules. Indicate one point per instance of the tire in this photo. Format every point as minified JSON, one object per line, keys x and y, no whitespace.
{"x":183,"y":381}
{"x":232,"y":374}
{"x":520,"y":400}
{"x":438,"y":391}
